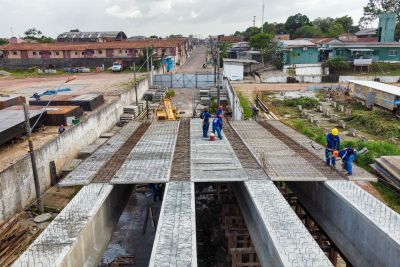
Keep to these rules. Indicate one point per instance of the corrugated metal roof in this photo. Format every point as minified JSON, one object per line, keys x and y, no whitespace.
{"x":138,"y":44}
{"x":82,"y":35}
{"x":367,"y":31}
{"x":297,"y":43}
{"x":387,"y":88}
{"x":365,"y":44}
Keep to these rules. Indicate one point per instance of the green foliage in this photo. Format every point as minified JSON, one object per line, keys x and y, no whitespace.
{"x":336,"y":64}
{"x":295,"y":22}
{"x":3,"y":41}
{"x":170,"y":93}
{"x":270,"y":28}
{"x":392,"y":199}
{"x":397,"y":33}
{"x":37,"y":35}
{"x":305,"y":102}
{"x":335,"y":30}
{"x":260,"y":41}
{"x":308,"y":31}
{"x":376,"y":7}
{"x":223,"y":48}
{"x":249,"y":32}
{"x":246,"y":105}
{"x":323,"y":24}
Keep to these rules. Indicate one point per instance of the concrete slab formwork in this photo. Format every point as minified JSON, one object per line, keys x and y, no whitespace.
{"x":279,"y":161}
{"x":86,"y":171}
{"x":365,"y":230}
{"x":175,"y":241}
{"x":150,"y":160}
{"x":81,"y":232}
{"x":212,"y":161}
{"x":358,"y":173}
{"x":279,"y":237}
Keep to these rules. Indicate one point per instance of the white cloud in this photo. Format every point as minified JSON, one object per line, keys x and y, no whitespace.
{"x":117,"y":11}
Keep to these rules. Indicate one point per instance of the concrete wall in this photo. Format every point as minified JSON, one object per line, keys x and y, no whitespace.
{"x":16,"y":182}
{"x":384,"y":79}
{"x":237,"y":110}
{"x":234,"y":71}
{"x":363,"y":228}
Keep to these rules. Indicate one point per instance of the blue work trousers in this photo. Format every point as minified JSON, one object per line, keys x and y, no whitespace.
{"x":218,"y":130}
{"x":206,"y":126}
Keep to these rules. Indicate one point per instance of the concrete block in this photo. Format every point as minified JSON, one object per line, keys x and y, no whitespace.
{"x":71,"y":165}
{"x":348,"y":111}
{"x":352,"y":132}
{"x":342,"y":124}
{"x":300,"y":107}
{"x":334,"y":104}
{"x":341,"y":108}
{"x":317,"y":123}
{"x":320,"y":108}
{"x":334,"y":118}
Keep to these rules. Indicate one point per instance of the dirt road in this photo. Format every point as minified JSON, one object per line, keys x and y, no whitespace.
{"x":195,"y":62}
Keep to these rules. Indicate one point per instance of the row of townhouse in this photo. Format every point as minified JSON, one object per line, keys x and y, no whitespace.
{"x":178,"y":48}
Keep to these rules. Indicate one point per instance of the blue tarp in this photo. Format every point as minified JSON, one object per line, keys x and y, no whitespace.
{"x":53,"y":92}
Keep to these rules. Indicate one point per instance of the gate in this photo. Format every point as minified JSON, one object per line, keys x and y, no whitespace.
{"x":183,"y":80}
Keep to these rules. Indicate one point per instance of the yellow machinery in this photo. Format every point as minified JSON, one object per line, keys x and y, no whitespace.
{"x":166,"y":111}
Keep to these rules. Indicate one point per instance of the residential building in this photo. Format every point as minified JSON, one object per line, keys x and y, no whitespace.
{"x":299,"y":52}
{"x":98,"y":37}
{"x":230,"y":39}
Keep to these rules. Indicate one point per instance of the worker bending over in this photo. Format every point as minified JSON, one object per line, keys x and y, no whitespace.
{"x":332,"y":145}
{"x":220,"y":111}
{"x":205,"y":116}
{"x":217,"y":126}
{"x":348,"y":155}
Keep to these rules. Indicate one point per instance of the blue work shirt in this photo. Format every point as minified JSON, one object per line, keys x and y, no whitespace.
{"x":219,"y":111}
{"x":332,"y":141}
{"x":205,"y":116}
{"x":217,"y":122}
{"x":348,"y":155}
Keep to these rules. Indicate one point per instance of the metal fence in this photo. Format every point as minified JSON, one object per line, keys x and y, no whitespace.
{"x":183,"y":80}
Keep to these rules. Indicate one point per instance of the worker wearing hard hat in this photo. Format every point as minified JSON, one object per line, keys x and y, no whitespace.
{"x":332,"y":147}
{"x":217,"y":126}
{"x":205,"y":116}
{"x":348,"y":155}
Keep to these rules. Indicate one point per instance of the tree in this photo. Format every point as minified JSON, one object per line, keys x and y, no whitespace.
{"x":307,"y":31}
{"x":269,"y":28}
{"x":347,"y":23}
{"x":295,"y":22}
{"x":336,"y":64}
{"x":376,"y":7}
{"x":74,"y":30}
{"x":153,"y":37}
{"x":323,"y":24}
{"x":335,"y":30}
{"x":397,"y":37}
{"x":32,"y":34}
{"x":3,"y":41}
{"x":280,"y":28}
{"x":260,"y":41}
{"x":249,"y":32}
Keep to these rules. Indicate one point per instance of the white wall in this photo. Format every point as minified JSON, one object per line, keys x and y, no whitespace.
{"x":233,"y":71}
{"x":384,"y":79}
{"x":16,"y":182}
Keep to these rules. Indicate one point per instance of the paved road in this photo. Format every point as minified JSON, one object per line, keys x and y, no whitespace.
{"x":195,"y":62}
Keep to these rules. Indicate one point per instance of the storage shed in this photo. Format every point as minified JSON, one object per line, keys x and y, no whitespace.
{"x":379,"y":94}
{"x":235,"y":69}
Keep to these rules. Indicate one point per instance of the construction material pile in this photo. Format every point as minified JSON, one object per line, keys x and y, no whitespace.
{"x":388,"y":167}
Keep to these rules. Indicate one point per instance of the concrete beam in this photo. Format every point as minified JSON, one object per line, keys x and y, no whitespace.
{"x":212,"y":161}
{"x":151,"y":159}
{"x":175,"y":241}
{"x":87,"y":170}
{"x":279,"y":237}
{"x":365,"y":230}
{"x":81,"y":232}
{"x":279,"y":161}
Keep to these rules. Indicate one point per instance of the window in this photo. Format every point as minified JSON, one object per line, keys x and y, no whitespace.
{"x":57,"y":53}
{"x":34,"y":53}
{"x":120,"y":51}
{"x":100,"y":52}
{"x":126,"y":51}
{"x":40,"y":53}
{"x":50,"y":53}
{"x":83,"y":53}
{"x":393,"y":53}
{"x":15,"y":53}
{"x":76,"y":53}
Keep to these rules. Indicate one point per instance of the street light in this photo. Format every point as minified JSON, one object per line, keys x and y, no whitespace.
{"x":29,"y":129}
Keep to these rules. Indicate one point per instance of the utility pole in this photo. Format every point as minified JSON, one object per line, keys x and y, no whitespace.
{"x":262,"y":18}
{"x":134,"y":78}
{"x":218,"y":79}
{"x":33,"y":161}
{"x":151,"y":69}
{"x":147,"y":64}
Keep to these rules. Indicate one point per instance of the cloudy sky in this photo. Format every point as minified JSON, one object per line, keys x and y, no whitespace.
{"x":160,"y":17}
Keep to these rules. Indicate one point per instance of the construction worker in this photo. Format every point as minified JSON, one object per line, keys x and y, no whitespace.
{"x":332,"y":145}
{"x":61,"y":129}
{"x":156,"y":190}
{"x":220,"y":111}
{"x":217,"y":126}
{"x":254,"y":112}
{"x":348,"y":155}
{"x":205,"y":116}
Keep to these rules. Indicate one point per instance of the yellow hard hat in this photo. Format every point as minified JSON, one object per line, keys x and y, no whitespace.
{"x":335,"y":131}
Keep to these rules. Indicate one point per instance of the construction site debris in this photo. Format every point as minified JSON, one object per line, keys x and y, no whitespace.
{"x":87,"y":102}
{"x":388,"y":167}
{"x":9,"y":100}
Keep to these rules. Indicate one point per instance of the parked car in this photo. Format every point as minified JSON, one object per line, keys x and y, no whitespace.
{"x":118,"y":66}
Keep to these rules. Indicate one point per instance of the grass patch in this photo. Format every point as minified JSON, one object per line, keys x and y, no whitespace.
{"x":246,"y":105}
{"x":389,"y":196}
{"x":30,"y":72}
{"x":381,"y":69}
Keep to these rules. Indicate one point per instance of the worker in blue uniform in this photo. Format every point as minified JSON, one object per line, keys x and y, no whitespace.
{"x":348,"y":155}
{"x":332,"y":145}
{"x":220,"y":111}
{"x":205,"y":116}
{"x":217,"y":126}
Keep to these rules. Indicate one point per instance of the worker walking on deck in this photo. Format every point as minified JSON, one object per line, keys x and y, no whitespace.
{"x":348,"y":155}
{"x":205,"y":116}
{"x":217,"y":126}
{"x":61,"y":129}
{"x":220,"y":111}
{"x":254,"y":112}
{"x":332,"y":145}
